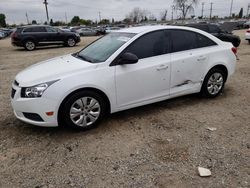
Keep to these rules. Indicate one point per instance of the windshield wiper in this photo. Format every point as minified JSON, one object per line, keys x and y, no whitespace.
{"x":83,"y":57}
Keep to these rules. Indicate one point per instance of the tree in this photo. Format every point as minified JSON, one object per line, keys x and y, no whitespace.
{"x":185,"y":6}
{"x":241,"y":13}
{"x":75,"y":20}
{"x":138,"y":15}
{"x":51,"y":22}
{"x":104,"y":22}
{"x":33,"y":22}
{"x":163,"y":15}
{"x":2,"y":20}
{"x":85,"y":22}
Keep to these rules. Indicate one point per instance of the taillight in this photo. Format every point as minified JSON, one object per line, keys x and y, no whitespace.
{"x":13,"y":35}
{"x":248,"y":31}
{"x":234,"y":50}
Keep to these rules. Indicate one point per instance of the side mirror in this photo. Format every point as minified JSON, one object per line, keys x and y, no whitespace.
{"x":127,"y":58}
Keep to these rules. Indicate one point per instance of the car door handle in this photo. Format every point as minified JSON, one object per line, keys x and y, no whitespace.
{"x":162,"y":67}
{"x":201,"y":58}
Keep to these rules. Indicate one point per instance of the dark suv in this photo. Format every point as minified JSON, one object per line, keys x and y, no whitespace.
{"x":218,"y":32}
{"x":31,"y":36}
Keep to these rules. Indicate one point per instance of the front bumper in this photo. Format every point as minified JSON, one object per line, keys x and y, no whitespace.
{"x":37,"y":106}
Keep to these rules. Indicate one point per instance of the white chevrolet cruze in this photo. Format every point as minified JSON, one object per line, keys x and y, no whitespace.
{"x":122,"y":70}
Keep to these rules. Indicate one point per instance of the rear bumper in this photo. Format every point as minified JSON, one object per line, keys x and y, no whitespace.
{"x":16,"y":43}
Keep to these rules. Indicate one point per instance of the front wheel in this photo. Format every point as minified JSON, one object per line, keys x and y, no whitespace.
{"x":214,"y":83}
{"x":83,"y":110}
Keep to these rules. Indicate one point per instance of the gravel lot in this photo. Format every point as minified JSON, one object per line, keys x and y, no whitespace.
{"x":159,"y":145}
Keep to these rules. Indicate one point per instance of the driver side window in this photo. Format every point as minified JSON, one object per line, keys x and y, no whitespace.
{"x":149,"y":45}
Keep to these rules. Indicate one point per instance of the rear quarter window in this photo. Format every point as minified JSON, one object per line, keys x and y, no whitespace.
{"x":183,"y":40}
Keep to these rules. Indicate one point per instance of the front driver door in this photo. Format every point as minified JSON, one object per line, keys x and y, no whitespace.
{"x":149,"y":79}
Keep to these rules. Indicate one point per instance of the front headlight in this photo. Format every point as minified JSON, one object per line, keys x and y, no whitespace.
{"x":35,"y":91}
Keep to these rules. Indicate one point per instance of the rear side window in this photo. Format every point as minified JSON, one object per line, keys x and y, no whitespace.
{"x":34,"y":29}
{"x":203,"y":41}
{"x":187,"y":40}
{"x":214,"y":29}
{"x":27,"y":30}
{"x":183,"y":40}
{"x":150,"y":45}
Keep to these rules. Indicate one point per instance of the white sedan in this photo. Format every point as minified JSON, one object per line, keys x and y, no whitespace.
{"x":122,"y":70}
{"x":248,"y":35}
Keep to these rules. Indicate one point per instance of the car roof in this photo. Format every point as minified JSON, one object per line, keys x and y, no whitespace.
{"x":144,"y":29}
{"x":26,"y":26}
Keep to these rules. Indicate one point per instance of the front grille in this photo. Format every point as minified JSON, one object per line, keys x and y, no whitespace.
{"x":33,"y":116}
{"x":13,"y":92}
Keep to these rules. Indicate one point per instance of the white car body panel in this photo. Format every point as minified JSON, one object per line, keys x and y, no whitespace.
{"x":247,"y":35}
{"x":126,"y":86}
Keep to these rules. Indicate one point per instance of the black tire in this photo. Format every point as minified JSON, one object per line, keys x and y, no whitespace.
{"x":204,"y":90}
{"x":248,"y":41}
{"x":64,"y":117}
{"x":29,"y":45}
{"x":71,"y":42}
{"x":236,"y":44}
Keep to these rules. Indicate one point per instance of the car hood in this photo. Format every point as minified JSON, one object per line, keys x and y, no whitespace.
{"x":52,"y":69}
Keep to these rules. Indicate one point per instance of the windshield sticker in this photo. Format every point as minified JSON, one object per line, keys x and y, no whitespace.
{"x":124,"y":39}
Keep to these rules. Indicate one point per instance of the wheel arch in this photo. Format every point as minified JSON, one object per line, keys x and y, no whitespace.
{"x":221,"y":67}
{"x":29,"y":38}
{"x":105,"y":97}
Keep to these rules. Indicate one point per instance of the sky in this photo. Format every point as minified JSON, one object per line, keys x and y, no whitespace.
{"x":15,"y":10}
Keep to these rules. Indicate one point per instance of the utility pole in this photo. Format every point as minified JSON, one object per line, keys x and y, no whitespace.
{"x":66,"y":18}
{"x":202,"y":10}
{"x":172,"y":14}
{"x":211,"y":10}
{"x":100,"y":18}
{"x":47,"y":13}
{"x":248,"y":8}
{"x":231,"y":8}
{"x":27,"y":18}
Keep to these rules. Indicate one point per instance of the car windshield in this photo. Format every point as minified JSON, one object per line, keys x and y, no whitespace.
{"x":102,"y":49}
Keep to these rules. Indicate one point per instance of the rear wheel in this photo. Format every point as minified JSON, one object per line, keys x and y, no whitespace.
{"x":71,"y":42}
{"x":30,"y":45}
{"x":236,"y":44}
{"x":83,"y":110}
{"x":248,"y":41}
{"x":214,"y":83}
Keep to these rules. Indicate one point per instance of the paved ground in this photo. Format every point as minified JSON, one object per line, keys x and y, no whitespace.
{"x":159,"y":145}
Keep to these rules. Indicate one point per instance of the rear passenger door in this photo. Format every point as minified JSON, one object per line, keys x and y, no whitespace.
{"x":189,"y":56}
{"x":37,"y":33}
